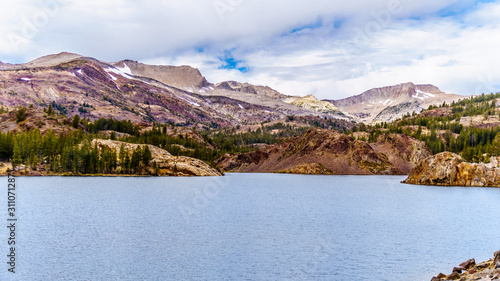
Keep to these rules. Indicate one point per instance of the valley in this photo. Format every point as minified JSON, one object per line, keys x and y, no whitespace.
{"x":230,"y":126}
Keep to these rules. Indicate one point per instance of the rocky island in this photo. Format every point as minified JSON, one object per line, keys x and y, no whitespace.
{"x":449,"y":169}
{"x":469,"y":270}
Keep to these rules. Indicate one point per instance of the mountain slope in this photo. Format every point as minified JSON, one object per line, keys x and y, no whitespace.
{"x":389,"y":103}
{"x":94,"y":89}
{"x":330,"y":152}
{"x":128,"y":90}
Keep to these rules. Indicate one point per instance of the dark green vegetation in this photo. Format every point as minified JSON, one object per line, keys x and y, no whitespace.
{"x":72,"y":151}
{"x":443,"y":131}
{"x":230,"y":140}
{"x":69,"y":153}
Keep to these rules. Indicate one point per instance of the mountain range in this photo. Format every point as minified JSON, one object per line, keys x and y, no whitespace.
{"x":129,"y":90}
{"x":389,"y":103}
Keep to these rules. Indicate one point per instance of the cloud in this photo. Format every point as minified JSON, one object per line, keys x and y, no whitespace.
{"x":456,"y":53}
{"x":328,"y":48}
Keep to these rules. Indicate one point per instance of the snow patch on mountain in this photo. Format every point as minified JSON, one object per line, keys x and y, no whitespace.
{"x":122,"y":71}
{"x":428,"y":95}
{"x":190,"y":102}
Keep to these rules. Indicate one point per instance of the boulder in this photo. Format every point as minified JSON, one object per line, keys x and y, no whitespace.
{"x":449,"y":169}
{"x":468,"y":263}
{"x":441,"y":275}
{"x":453,"y":276}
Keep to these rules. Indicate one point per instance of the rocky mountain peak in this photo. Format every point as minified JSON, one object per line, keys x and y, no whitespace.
{"x":237,"y":86}
{"x":136,"y":91}
{"x":391,"y":102}
{"x":310,"y":97}
{"x":183,"y":77}
{"x":52,"y":60}
{"x":312,"y":103}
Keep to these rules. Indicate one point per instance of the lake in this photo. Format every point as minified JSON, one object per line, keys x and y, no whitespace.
{"x":246,"y":227}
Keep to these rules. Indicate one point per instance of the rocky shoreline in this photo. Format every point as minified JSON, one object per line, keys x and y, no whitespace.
{"x":469,"y":270}
{"x":449,"y":169}
{"x":162,"y":164}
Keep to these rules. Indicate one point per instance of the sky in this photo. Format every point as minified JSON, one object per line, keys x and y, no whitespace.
{"x":329,"y":48}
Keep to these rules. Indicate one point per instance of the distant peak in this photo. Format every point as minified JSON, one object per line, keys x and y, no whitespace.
{"x":55,"y":59}
{"x":68,"y":54}
{"x":310,"y":97}
{"x":410,"y":84}
{"x":134,"y":61}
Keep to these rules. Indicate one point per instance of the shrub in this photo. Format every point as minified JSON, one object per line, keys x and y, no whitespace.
{"x":21,"y":114}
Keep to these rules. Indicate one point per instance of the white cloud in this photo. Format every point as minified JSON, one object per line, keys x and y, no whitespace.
{"x":457,"y":54}
{"x":354,"y":45}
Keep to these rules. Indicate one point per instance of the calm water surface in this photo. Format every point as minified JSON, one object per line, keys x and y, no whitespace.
{"x":246,"y":227}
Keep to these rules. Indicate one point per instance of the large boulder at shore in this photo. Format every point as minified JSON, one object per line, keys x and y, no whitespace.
{"x":469,"y":270}
{"x":449,"y":169}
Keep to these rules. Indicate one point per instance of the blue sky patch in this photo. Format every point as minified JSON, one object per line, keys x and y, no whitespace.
{"x":458,"y":9}
{"x":338,"y":24}
{"x":229,"y":62}
{"x":311,"y":26}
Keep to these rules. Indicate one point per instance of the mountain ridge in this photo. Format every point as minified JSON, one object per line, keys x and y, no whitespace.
{"x":139,"y":92}
{"x":388,"y":103}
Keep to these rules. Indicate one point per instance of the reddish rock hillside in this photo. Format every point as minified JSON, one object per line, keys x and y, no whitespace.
{"x":330,"y":152}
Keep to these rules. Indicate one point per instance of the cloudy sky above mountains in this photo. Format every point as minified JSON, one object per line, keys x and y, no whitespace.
{"x":329,"y":48}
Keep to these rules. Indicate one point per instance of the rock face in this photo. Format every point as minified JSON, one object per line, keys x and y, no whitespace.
{"x":320,"y":151}
{"x":167,"y":164}
{"x":469,"y":270}
{"x":182,"y":77}
{"x":449,"y":169}
{"x":402,"y":151}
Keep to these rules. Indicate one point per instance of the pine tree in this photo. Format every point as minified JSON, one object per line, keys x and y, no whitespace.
{"x":121,"y":154}
{"x":496,"y":145}
{"x":50,"y":111}
{"x":21,"y":114}
{"x":34,"y":162}
{"x":126,"y":163}
{"x":76,"y":121}
{"x":146,"y":155}
{"x":156,"y":169}
{"x":16,"y":158}
{"x":135,"y":162}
